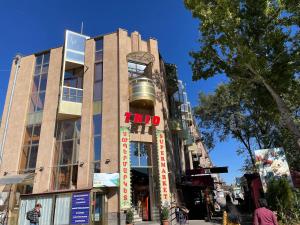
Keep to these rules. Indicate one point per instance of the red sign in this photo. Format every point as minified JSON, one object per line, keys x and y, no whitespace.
{"x":141,"y":119}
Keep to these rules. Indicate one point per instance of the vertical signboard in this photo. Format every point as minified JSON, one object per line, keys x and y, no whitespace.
{"x":272,"y":164}
{"x":125,"y":185}
{"x":163,"y":168}
{"x":80,"y":212}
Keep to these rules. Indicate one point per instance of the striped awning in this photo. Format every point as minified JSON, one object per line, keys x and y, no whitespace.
{"x":17,"y":179}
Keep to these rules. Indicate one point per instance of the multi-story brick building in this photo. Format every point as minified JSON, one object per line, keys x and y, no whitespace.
{"x":87,"y":132}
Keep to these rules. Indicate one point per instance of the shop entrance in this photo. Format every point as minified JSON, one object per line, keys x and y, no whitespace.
{"x":142,"y":181}
{"x":141,"y":192}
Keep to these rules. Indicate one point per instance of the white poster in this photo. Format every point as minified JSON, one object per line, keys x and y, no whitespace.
{"x":272,"y":163}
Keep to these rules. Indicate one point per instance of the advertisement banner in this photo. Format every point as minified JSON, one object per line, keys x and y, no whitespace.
{"x":80,"y":212}
{"x":163,"y":168}
{"x":272,"y":163}
{"x":106,"y":180}
{"x":125,"y":185}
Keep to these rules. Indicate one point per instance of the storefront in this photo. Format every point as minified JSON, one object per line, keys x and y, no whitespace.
{"x":64,"y":208}
{"x":144,"y":181}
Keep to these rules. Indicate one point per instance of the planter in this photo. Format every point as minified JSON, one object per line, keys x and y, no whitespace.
{"x":165,"y":222}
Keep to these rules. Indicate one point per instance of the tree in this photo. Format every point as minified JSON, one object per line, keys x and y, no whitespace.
{"x":255,"y":44}
{"x":233,"y":111}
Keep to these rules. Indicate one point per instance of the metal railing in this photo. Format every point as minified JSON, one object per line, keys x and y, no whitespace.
{"x":72,"y":94}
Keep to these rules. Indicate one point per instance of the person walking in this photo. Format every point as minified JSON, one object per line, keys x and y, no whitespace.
{"x":231,"y":216}
{"x":263,"y":215}
{"x":34,"y":214}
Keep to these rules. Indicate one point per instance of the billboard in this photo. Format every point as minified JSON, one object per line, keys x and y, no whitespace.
{"x":272,"y":163}
{"x":106,"y":180}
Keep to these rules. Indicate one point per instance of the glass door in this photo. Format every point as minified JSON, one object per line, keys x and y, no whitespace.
{"x":98,"y":209}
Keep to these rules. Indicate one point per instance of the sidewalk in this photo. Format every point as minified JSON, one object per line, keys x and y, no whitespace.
{"x":202,"y":222}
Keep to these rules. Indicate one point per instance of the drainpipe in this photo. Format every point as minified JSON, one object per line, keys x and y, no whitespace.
{"x":17,"y":63}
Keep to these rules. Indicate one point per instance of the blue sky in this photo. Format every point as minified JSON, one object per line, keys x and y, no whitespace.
{"x":31,"y":26}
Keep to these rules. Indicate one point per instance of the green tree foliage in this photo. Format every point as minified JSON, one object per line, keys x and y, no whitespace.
{"x":232,"y":111}
{"x":256,"y":45}
{"x":282,"y":199}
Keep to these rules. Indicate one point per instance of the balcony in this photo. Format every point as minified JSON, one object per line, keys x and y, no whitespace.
{"x":175,"y":125}
{"x":142,"y":92}
{"x":70,"y":103}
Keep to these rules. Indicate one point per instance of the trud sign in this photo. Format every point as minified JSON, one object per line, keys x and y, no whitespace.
{"x":139,"y":119}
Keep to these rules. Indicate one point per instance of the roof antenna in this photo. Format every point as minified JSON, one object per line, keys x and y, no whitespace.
{"x":81,"y":27}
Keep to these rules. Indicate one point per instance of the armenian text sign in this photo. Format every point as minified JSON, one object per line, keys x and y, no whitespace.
{"x":125,"y":192}
{"x":80,"y":213}
{"x":163,"y":168}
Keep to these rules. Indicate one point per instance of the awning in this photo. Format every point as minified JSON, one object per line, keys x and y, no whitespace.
{"x":199,"y":171}
{"x":17,"y":179}
{"x":199,"y":181}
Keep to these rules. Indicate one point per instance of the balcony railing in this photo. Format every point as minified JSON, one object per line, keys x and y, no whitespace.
{"x":141,"y":90}
{"x":72,"y":94}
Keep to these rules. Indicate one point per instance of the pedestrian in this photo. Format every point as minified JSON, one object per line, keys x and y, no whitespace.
{"x":231,"y":216}
{"x":263,"y":215}
{"x":34,"y":214}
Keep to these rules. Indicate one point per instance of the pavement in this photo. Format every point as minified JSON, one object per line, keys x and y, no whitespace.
{"x":202,"y":222}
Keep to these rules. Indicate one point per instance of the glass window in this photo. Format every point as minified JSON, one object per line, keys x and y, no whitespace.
{"x":68,"y":144}
{"x":40,"y":102}
{"x":140,"y":154}
{"x":98,"y":72}
{"x":75,"y":42}
{"x":97,"y":167}
{"x":46,"y":58}
{"x":66,"y":153}
{"x":38,"y":60}
{"x":39,"y":83}
{"x":32,"y":157}
{"x":43,"y":83}
{"x":75,"y":47}
{"x":99,"y":44}
{"x":97,"y":124}
{"x":35,"y":85}
{"x":99,"y":50}
{"x":97,"y":148}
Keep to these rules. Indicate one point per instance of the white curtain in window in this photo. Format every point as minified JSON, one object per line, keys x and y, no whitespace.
{"x":25,"y":206}
{"x":46,"y":210}
{"x":62,"y":210}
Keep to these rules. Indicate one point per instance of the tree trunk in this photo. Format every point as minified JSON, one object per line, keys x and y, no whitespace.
{"x":285,"y":113}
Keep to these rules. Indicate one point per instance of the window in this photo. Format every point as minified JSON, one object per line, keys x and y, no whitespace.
{"x":75,"y":47}
{"x":30,"y":147}
{"x":97,"y":96}
{"x":97,"y":127}
{"x":140,"y":154}
{"x":73,"y":84}
{"x":99,"y":50}
{"x":37,"y":98}
{"x":67,"y":150}
{"x":98,"y":80}
{"x":136,"y":69}
{"x":74,"y":78}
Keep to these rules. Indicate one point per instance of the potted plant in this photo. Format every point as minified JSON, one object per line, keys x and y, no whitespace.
{"x":165,"y":215}
{"x":129,"y":217}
